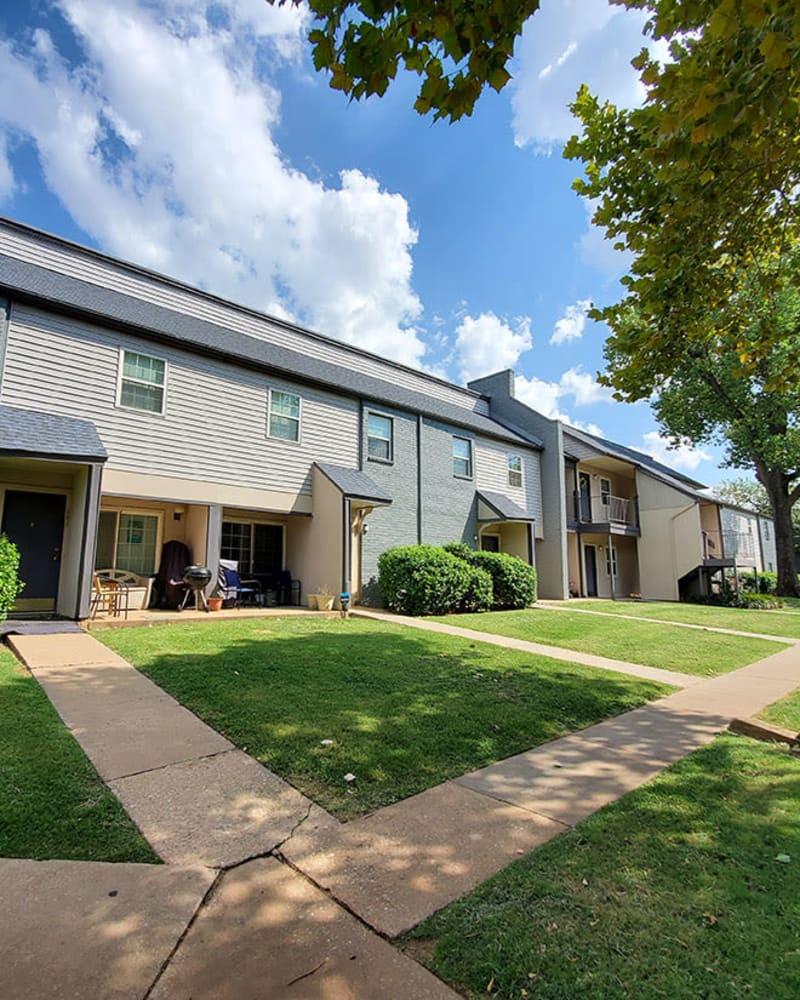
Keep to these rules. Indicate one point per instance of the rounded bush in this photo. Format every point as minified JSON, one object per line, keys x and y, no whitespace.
{"x":479,"y":595}
{"x":425,"y":580}
{"x":513,"y":580}
{"x":10,"y":584}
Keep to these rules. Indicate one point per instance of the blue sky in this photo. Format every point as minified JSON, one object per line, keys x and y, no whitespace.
{"x":198,"y":140}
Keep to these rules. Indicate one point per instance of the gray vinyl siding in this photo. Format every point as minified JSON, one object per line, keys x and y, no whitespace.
{"x":577,"y":449}
{"x":491,"y":470}
{"x":214,"y":425}
{"x":79,"y":263}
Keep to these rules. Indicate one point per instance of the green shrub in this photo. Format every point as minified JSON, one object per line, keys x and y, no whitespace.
{"x":513,"y":580}
{"x":460,"y":549}
{"x":479,"y":595}
{"x":10,"y":583}
{"x":744,"y":599}
{"x":425,"y":580}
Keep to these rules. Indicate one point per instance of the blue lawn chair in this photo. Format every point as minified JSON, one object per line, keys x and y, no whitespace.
{"x":233,"y":590}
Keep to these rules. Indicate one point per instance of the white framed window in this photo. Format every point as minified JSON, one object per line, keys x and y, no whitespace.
{"x":514,"y":470}
{"x":283,"y":415}
{"x":462,"y":458}
{"x":130,"y":540}
{"x":605,"y":491}
{"x":611,"y":561}
{"x":142,"y":382}
{"x":380,"y":437}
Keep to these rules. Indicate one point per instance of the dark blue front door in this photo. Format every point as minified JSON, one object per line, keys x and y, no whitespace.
{"x":35,"y":524}
{"x":590,"y":557}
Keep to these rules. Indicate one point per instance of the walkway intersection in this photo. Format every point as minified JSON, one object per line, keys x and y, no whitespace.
{"x":263,"y":893}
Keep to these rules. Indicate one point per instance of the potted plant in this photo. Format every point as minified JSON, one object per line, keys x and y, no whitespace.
{"x":321,"y":599}
{"x":215,"y":601}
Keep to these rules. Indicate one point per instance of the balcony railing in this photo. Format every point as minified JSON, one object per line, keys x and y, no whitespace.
{"x":736,"y":545}
{"x":605,"y":508}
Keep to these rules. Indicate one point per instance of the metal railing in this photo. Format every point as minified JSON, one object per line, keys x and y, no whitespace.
{"x":729,"y":545}
{"x":605,"y":508}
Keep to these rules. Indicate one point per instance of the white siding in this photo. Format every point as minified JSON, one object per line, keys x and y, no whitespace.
{"x":214,"y":426}
{"x":77,"y":263}
{"x":491,"y":473}
{"x":577,"y":449}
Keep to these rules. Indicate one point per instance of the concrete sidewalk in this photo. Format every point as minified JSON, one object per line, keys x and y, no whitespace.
{"x":223,"y":920}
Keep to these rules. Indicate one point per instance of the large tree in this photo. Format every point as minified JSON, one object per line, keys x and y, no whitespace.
{"x":700,"y":184}
{"x":708,"y":398}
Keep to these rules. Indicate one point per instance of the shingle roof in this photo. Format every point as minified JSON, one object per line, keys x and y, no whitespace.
{"x":30,"y":282}
{"x":505,"y":506}
{"x":677,"y":479}
{"x":30,"y":432}
{"x":353,"y":483}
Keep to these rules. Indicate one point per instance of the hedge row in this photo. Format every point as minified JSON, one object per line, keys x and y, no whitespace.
{"x":434,"y":580}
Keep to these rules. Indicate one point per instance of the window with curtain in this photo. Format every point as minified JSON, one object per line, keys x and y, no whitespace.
{"x":127,"y":540}
{"x":462,"y":457}
{"x":283,"y":420}
{"x":379,"y":437}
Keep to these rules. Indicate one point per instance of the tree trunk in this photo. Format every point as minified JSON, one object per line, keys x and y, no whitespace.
{"x":777,"y":484}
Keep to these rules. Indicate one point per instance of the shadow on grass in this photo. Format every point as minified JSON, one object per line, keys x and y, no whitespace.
{"x":676,"y":890}
{"x":52,"y":802}
{"x":403,"y":711}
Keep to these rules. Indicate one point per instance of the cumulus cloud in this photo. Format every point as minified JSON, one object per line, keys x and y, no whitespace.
{"x":565,"y":44}
{"x":572,"y":323}
{"x":685,"y":456}
{"x":158,"y":138}
{"x":486,"y":343}
{"x":574,"y":383}
{"x":6,"y":173}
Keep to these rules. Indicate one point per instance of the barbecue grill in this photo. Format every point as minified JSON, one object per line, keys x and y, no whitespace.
{"x":196,"y":579}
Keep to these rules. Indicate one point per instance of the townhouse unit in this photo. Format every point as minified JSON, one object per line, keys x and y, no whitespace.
{"x":136,"y":410}
{"x":618,"y":523}
{"x":748,"y":538}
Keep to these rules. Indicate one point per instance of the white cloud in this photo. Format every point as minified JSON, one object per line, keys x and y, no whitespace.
{"x":572,"y":323}
{"x":160,"y":144}
{"x":685,"y":456}
{"x":567,"y":43}
{"x":576,"y":383}
{"x":6,"y":173}
{"x":486,"y":344}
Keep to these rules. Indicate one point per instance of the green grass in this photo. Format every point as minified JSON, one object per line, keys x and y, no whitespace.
{"x":776,"y":622}
{"x":669,"y":647}
{"x":785,"y":713}
{"x":52,"y":802}
{"x":675,"y":891}
{"x":405,"y":709}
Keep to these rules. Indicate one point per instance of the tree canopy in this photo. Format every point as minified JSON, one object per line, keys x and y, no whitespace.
{"x":701,"y":185}
{"x":708,"y":398}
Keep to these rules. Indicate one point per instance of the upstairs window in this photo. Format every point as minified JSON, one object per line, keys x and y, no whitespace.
{"x":142,"y":381}
{"x":515,"y":470}
{"x":462,"y":458}
{"x":605,"y":491}
{"x":283,"y":418}
{"x":380,"y":444}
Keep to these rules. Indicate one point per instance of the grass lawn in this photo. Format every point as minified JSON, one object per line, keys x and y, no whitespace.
{"x":404,"y":709}
{"x":672,"y":648}
{"x":785,"y":713}
{"x":52,"y":803}
{"x":768,"y":622}
{"x":676,"y":891}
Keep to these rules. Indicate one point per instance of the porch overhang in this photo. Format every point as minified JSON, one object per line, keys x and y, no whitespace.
{"x":494,"y":507}
{"x":35,"y":434}
{"x":354,"y":484}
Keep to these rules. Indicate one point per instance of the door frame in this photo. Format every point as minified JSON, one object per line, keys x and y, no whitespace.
{"x":593,"y":548}
{"x":53,"y":491}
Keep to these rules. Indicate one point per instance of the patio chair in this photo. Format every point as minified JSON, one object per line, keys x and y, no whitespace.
{"x":108,"y":596}
{"x":233,"y":590}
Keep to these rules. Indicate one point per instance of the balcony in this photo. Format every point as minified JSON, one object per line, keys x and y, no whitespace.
{"x":729,"y":547}
{"x":606,"y":512}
